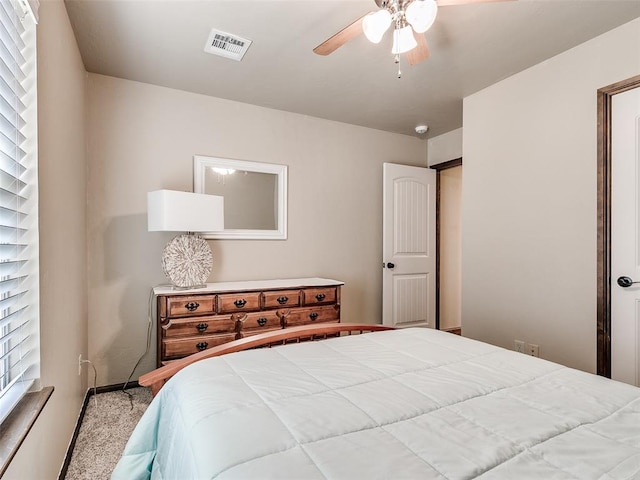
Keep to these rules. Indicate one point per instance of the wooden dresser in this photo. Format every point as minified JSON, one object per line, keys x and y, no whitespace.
{"x":189,"y":321}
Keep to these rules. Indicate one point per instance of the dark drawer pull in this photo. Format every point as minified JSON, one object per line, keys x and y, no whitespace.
{"x":262,"y":321}
{"x":202,"y":327}
{"x":191,"y":306}
{"x":240,"y":303}
{"x":320,"y":297}
{"x":202,"y":346}
{"x":283,"y":300}
{"x":313,"y":316}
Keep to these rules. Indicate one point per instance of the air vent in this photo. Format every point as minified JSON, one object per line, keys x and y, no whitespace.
{"x":227,"y":45}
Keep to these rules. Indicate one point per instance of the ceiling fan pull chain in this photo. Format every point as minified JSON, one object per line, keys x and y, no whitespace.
{"x":397,"y":60}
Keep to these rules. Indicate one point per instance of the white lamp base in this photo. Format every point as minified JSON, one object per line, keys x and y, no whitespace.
{"x":187,"y":261}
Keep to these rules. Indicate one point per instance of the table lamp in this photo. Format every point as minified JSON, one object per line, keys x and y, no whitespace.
{"x":186,"y":260}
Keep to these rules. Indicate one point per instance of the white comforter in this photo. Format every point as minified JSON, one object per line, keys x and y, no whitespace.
{"x":413,"y":403}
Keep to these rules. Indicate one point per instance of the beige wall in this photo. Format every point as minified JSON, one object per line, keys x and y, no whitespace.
{"x":445,"y":147}
{"x":529,"y":200}
{"x":143,"y":138}
{"x":450,"y":247}
{"x":63,"y":307}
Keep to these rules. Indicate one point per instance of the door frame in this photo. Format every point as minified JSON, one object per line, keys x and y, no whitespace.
{"x":438,"y":167}
{"x":603,"y":256}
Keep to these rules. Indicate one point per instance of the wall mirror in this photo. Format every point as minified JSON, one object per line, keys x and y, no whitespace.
{"x":255,"y":196}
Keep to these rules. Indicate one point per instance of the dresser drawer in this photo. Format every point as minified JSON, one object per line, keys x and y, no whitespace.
{"x":180,"y":327}
{"x":306,"y":316}
{"x":178,"y":348}
{"x":238,"y":302}
{"x":281,"y":298}
{"x":256,"y":331}
{"x":182,"y":305}
{"x":320,"y":296}
{"x":263,"y":321}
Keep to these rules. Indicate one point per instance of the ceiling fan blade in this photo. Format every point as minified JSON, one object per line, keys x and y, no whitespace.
{"x":343,"y":36}
{"x":421,"y":52}
{"x":444,"y":3}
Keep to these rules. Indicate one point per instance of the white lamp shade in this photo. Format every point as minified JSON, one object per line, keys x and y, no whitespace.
{"x":173,"y":211}
{"x":375,"y":24}
{"x":403,"y":40}
{"x":421,"y":14}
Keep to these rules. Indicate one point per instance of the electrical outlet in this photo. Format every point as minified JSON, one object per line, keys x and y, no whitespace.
{"x":533,"y":350}
{"x":80,"y":364}
{"x":519,"y":346}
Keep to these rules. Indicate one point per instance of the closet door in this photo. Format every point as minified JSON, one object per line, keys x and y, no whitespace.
{"x":625,"y":237}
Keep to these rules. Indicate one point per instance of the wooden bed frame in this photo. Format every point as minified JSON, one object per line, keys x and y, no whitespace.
{"x":157,"y":378}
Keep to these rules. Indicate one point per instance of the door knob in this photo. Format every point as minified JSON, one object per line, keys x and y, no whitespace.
{"x":391,"y":265}
{"x":625,"y":282}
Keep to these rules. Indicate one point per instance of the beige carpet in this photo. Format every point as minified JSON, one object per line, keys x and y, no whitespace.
{"x":105,"y":429}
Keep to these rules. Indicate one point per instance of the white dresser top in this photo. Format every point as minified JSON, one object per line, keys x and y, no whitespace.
{"x":250,"y":285}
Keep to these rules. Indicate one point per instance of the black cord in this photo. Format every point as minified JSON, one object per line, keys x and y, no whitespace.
{"x":149,"y":325}
{"x":95,"y":380}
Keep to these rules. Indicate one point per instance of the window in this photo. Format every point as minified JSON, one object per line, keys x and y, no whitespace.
{"x":19,"y":311}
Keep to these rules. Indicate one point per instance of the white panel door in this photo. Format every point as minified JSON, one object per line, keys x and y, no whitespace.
{"x":409,"y":246}
{"x":625,"y":237}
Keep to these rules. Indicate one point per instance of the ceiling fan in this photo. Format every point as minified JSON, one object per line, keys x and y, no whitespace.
{"x":410,"y":19}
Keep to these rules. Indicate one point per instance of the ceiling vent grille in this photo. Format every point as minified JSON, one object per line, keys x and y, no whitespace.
{"x":227,"y":45}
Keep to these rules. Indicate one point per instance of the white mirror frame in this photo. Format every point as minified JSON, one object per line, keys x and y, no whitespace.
{"x":200,"y":163}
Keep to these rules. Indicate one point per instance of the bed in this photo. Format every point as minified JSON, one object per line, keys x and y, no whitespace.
{"x":407,"y":403}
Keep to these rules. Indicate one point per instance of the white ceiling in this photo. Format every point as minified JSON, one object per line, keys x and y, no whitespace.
{"x":472,"y":46}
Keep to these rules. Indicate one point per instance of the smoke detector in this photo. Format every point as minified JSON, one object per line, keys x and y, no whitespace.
{"x":227,"y":45}
{"x":420,"y":129}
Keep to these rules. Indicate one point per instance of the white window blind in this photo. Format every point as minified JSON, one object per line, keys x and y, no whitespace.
{"x":19,"y":312}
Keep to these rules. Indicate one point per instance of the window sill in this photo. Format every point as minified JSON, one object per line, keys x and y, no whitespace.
{"x":16,"y":426}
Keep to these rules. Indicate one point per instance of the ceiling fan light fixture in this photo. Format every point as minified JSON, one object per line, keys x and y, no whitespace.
{"x":403,"y":40}
{"x":375,"y":24}
{"x":421,"y":14}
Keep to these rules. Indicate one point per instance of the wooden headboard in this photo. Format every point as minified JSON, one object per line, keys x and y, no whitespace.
{"x":157,"y":378}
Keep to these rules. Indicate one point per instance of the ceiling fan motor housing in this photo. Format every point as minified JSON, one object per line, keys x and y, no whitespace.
{"x":395,"y":4}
